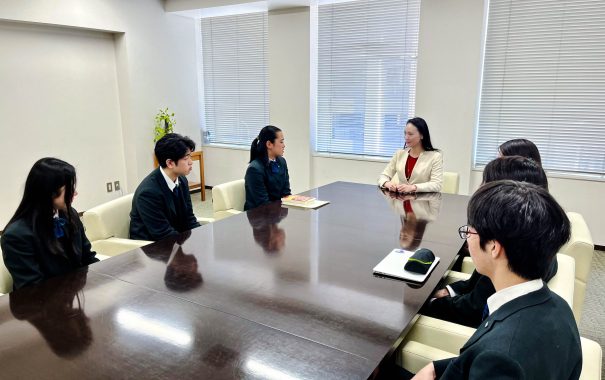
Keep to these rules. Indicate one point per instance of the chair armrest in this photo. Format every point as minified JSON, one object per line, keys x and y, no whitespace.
{"x":117,"y":246}
{"x":413,"y":355}
{"x":203,"y":221}
{"x":592,"y":360}
{"x":443,"y":335}
{"x":225,"y":213}
{"x":454,"y":276}
{"x":468,"y":266}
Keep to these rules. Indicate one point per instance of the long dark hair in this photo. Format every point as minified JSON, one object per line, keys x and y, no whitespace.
{"x":521,"y":147}
{"x":43,"y":185}
{"x":258,"y":149}
{"x":423,"y":129}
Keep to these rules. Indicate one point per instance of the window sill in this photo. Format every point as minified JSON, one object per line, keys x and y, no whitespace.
{"x":353,"y":157}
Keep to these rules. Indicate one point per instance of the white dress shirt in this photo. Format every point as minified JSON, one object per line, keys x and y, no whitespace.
{"x":496,"y":300}
{"x":171,"y":184}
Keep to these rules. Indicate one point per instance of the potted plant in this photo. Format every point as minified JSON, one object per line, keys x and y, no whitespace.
{"x":164,"y":123}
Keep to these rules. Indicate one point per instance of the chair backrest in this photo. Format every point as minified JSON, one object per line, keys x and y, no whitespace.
{"x":451,"y":183}
{"x":111,"y":219}
{"x":562,"y":283}
{"x":229,"y":196}
{"x":592,"y":360}
{"x":6,"y":280}
{"x":581,"y":247}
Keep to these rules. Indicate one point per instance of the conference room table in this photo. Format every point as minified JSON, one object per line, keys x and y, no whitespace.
{"x":272,"y":293}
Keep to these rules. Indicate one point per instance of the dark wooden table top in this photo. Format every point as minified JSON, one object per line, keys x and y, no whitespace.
{"x":272,"y":293}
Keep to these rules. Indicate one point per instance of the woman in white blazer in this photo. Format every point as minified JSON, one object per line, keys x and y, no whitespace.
{"x":416,"y":168}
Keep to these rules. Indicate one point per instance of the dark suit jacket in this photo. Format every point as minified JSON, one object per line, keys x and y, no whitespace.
{"x":531,"y":337}
{"x":29,"y":262}
{"x":466,"y":307}
{"x":264,"y":186}
{"x":153,"y":215}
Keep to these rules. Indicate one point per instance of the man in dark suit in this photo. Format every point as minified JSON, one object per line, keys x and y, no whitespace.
{"x":161,"y":205}
{"x":514,"y":231}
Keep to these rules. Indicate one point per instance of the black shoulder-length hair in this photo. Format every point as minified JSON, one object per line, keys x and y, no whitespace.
{"x":515,"y":168}
{"x":423,"y":129}
{"x":43,"y":185}
{"x":521,"y":147}
{"x":258,"y":149}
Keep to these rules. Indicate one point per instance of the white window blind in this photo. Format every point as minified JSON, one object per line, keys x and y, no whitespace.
{"x":236,"y":93}
{"x":366,"y":75}
{"x":544,"y":80}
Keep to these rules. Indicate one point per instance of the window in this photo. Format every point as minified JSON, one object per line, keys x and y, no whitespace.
{"x":544,"y":80}
{"x":366,"y":78}
{"x":236,"y":94}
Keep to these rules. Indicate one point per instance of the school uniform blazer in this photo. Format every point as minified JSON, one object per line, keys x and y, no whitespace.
{"x":427,"y":174}
{"x":30,"y":262}
{"x":531,"y":337}
{"x":153,"y":215}
{"x":264,"y":186}
{"x":466,"y":307}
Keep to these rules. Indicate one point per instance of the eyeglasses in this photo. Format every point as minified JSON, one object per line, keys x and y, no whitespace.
{"x":465,"y":232}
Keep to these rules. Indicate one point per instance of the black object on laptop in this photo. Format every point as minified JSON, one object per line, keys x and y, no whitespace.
{"x":420,"y":261}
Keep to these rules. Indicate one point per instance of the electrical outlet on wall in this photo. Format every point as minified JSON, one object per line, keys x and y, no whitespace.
{"x":109,"y":187}
{"x":116,"y":185}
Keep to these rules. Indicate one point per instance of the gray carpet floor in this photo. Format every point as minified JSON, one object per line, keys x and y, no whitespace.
{"x":593,"y":316}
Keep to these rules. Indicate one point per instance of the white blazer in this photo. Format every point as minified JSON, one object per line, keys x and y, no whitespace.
{"x":427,"y":174}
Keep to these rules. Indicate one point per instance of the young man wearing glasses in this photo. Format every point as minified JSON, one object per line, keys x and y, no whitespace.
{"x":515,"y":229}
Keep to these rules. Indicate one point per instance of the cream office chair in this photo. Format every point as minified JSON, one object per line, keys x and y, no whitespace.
{"x":228,"y":199}
{"x":451,"y":183}
{"x":6,"y":280}
{"x":107,"y":227}
{"x":581,"y":247}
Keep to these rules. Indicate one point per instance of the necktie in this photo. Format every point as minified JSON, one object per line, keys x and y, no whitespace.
{"x":176,"y":191}
{"x":58,"y":227}
{"x":485,"y":313}
{"x":274,"y":166}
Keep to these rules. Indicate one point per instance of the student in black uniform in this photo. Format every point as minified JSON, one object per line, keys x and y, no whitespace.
{"x":45,"y":237}
{"x":161,"y":205}
{"x":463,"y":302}
{"x":267,"y":178}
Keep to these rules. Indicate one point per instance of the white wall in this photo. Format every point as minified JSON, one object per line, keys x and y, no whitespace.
{"x":155,"y":64}
{"x":60,"y":99}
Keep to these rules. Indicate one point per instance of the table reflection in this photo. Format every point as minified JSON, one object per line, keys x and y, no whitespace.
{"x":264,"y":221}
{"x":56,"y":310}
{"x":182,"y":272}
{"x":416,"y":211}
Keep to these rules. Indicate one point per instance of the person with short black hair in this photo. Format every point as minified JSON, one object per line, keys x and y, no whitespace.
{"x":463,"y":302}
{"x":418,"y":167}
{"x":514,"y":232}
{"x":267,"y":177}
{"x":45,"y":238}
{"x":161,"y":205}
